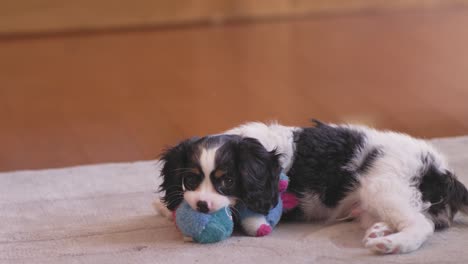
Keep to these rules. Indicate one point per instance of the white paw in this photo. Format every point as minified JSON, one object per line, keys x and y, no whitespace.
{"x":162,"y":210}
{"x":376,"y":239}
{"x":377,"y":230}
{"x":383,"y":245}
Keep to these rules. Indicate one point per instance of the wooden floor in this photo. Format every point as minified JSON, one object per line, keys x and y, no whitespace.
{"x":118,"y":96}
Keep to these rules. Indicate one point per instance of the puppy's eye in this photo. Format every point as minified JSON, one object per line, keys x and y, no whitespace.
{"x":191,"y":181}
{"x":228,"y":182}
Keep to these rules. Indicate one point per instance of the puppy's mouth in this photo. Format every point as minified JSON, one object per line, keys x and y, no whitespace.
{"x":208,"y":202}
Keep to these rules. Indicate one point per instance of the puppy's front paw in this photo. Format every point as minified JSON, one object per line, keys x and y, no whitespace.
{"x":380,"y":229}
{"x":376,"y":239}
{"x":383,"y":245}
{"x":161,"y":209}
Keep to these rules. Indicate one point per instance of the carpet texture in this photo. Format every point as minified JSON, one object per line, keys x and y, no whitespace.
{"x":104,"y":214}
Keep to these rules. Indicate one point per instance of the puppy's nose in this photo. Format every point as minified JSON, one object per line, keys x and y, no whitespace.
{"x":202,"y":207}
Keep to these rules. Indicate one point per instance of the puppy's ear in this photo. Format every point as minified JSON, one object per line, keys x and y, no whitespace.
{"x":259,"y":171}
{"x":175,"y":161}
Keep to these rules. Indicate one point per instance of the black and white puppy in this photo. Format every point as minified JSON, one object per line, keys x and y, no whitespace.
{"x":400,"y":188}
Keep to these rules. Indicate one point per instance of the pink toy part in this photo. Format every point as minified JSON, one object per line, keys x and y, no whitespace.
{"x":263,"y":230}
{"x":289,"y":201}
{"x":283,"y":185}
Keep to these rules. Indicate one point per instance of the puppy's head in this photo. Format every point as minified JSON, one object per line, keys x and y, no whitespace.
{"x":218,"y":171}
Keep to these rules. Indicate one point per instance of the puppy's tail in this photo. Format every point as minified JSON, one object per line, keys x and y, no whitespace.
{"x":459,"y":197}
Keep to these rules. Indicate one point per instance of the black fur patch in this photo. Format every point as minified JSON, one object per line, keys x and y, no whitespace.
{"x":177,"y":160}
{"x":322,"y":153}
{"x":445,"y":193}
{"x":259,"y":172}
{"x":369,"y":160}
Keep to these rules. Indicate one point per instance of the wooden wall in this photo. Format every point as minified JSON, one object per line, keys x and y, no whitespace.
{"x":68,"y":99}
{"x":39,"y":16}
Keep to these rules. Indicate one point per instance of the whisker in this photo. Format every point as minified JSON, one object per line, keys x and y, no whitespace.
{"x":173,"y":186}
{"x":439,"y":202}
{"x":173,"y":196}
{"x":234,"y":211}
{"x":170,"y":204}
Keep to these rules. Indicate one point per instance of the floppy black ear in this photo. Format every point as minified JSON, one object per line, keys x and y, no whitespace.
{"x":259,"y":171}
{"x":175,"y":161}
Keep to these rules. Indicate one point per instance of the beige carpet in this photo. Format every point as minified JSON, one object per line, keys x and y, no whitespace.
{"x":103,"y":214}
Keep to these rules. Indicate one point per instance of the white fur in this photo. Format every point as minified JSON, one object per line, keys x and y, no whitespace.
{"x":348,"y":208}
{"x":207,"y":161}
{"x":271,"y":136}
{"x":205,"y":191}
{"x":388,"y":193}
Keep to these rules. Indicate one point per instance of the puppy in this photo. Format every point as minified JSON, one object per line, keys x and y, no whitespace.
{"x":399,"y":188}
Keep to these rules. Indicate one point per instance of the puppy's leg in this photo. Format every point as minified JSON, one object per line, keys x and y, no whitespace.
{"x":161,"y":209}
{"x":402,"y":227}
{"x":366,"y":220}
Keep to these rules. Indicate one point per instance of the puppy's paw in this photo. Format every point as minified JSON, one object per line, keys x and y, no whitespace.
{"x":383,"y":245}
{"x":377,"y":240}
{"x":379,"y":229}
{"x":162,"y":210}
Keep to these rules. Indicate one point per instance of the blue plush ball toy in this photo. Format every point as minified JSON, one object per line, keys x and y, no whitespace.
{"x":217,"y":226}
{"x":204,"y":228}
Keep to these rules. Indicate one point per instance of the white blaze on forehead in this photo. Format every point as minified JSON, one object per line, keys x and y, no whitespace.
{"x":206,"y":191}
{"x":207,"y":161}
